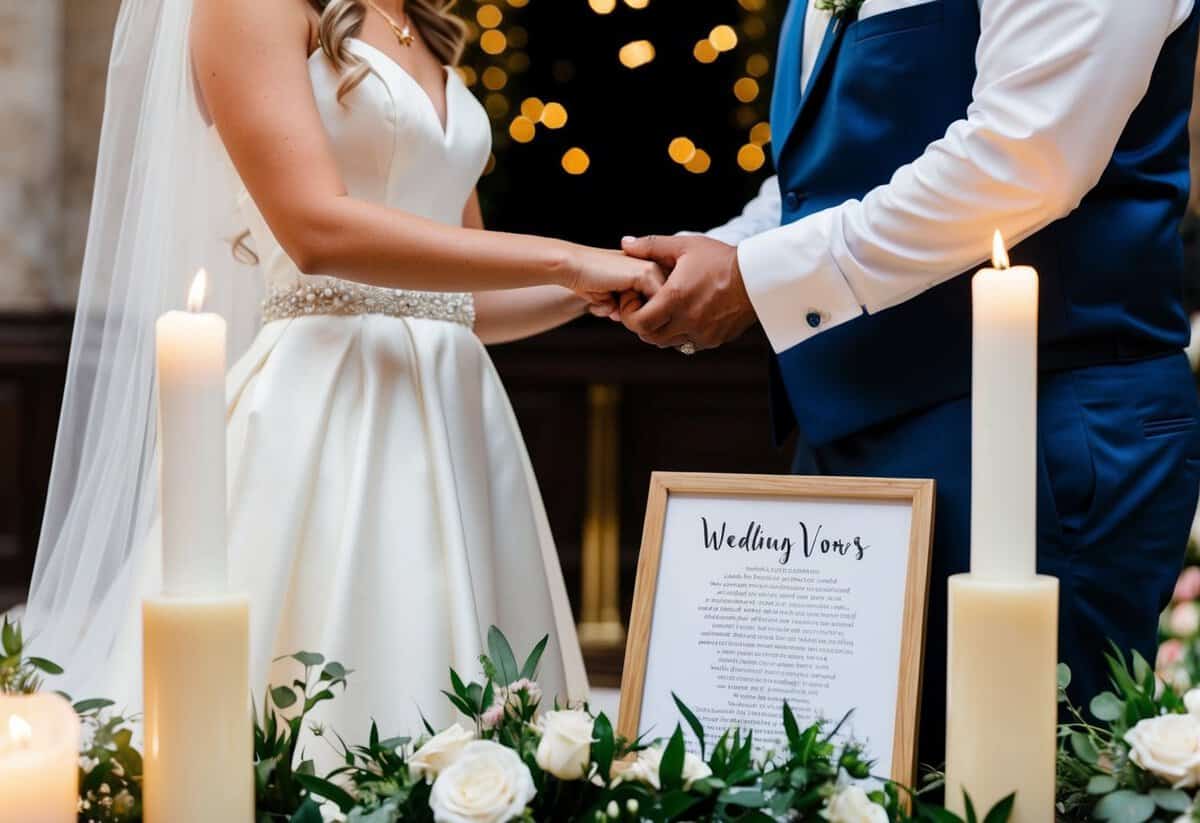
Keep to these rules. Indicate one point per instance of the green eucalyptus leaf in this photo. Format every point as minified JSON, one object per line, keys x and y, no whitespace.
{"x":308,"y":659}
{"x":1171,"y":800}
{"x":93,"y":705}
{"x":1064,"y":676}
{"x":328,"y":790}
{"x":1107,"y":707}
{"x":1124,"y":806}
{"x":1102,"y":784}
{"x":283,"y":697}
{"x":1084,"y":749}
{"x":747,"y":798}
{"x":604,"y":745}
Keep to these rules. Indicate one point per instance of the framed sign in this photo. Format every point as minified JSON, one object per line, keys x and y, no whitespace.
{"x":752,"y":590}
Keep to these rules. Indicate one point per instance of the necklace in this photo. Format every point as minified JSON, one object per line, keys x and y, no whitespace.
{"x":403,"y":31}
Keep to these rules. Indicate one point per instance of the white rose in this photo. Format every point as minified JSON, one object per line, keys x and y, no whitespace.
{"x":487,"y":783}
{"x":646,"y":769}
{"x":851,"y":805}
{"x":1168,"y":747}
{"x":565,"y":749}
{"x":1184,"y":620}
{"x":439,"y":752}
{"x":1192,"y":701}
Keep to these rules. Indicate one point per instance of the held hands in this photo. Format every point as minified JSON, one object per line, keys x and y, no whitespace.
{"x":704,"y":302}
{"x":602,"y":276}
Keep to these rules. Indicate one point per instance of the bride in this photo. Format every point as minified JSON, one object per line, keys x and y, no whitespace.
{"x":382,"y":509}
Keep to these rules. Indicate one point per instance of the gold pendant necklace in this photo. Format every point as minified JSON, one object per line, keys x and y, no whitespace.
{"x":404,"y":35}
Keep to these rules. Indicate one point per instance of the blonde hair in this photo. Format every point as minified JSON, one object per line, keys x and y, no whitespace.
{"x":442,"y":31}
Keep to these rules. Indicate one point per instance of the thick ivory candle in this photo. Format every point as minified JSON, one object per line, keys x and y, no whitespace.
{"x":1004,"y":421}
{"x":199,"y":756}
{"x":39,"y":760}
{"x":191,"y":403}
{"x":1002,"y":695}
{"x":196,"y":659}
{"x":1002,"y":690}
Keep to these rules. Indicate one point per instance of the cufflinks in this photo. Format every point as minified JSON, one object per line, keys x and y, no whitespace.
{"x":813,"y":318}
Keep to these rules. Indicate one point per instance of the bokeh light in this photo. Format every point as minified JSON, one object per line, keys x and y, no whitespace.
{"x":554,"y":116}
{"x":489,"y":16}
{"x":700,"y":163}
{"x":705,"y":51}
{"x":723,"y":38}
{"x":576,"y":161}
{"x":751,"y":157}
{"x":522,"y":129}
{"x":746,"y":89}
{"x":602,"y":6}
{"x":681,"y":150}
{"x":636,"y":54}
{"x":493,"y":41}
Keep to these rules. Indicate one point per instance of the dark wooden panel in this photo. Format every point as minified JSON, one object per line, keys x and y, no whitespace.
{"x":33,"y":361}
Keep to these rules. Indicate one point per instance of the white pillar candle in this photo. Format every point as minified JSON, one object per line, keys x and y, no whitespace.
{"x":1004,"y":421}
{"x":39,"y":759}
{"x":1001,"y":690}
{"x":199,"y":754}
{"x":1002,"y":695}
{"x":191,"y":403}
{"x":199,"y":759}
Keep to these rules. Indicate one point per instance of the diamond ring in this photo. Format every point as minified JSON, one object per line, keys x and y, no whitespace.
{"x":688,"y":348}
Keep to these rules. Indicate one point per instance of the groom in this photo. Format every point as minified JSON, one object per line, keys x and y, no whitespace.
{"x":905,"y":132}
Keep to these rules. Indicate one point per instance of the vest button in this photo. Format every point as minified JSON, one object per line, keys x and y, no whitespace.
{"x":814,"y":318}
{"x":793,"y":200}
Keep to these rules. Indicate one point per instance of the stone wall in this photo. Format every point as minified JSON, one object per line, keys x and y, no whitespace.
{"x":53,"y":55}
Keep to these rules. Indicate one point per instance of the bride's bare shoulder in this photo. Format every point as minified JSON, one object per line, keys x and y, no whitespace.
{"x":220,"y":24}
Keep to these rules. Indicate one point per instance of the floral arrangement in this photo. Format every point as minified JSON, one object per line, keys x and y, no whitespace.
{"x":1139,"y":759}
{"x":509,"y":760}
{"x":1178,"y":661}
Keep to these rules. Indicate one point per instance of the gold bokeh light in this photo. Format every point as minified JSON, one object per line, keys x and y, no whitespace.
{"x":751,"y":157}
{"x":532,"y":108}
{"x":636,"y":54}
{"x":576,"y":161}
{"x":682,"y":150}
{"x":554,"y":116}
{"x":522,"y":129}
{"x":723,"y":38}
{"x":760,"y":135}
{"x":602,"y":6}
{"x":493,"y":41}
{"x":489,"y":16}
{"x":700,"y":163}
{"x":494,"y":78}
{"x":705,"y":52}
{"x":746,"y":89}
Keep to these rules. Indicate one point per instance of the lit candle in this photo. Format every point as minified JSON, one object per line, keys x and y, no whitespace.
{"x":39,"y":760}
{"x":196,"y":636}
{"x":191,"y":404}
{"x":1004,"y":420}
{"x":1001,"y":691}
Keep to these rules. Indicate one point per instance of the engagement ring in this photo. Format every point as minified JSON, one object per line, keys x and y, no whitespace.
{"x":688,"y":348}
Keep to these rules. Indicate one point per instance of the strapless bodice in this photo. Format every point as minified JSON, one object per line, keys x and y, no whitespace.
{"x":391,"y":148}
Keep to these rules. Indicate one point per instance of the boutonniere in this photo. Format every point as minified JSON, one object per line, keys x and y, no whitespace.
{"x":840,"y":9}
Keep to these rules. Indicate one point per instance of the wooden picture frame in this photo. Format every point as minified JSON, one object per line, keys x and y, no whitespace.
{"x":916,"y":495}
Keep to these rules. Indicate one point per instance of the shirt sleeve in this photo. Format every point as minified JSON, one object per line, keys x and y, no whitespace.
{"x":761,"y":214}
{"x":1057,"y":82}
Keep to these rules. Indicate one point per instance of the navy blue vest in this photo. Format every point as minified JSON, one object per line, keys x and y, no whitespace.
{"x":1111,"y":272}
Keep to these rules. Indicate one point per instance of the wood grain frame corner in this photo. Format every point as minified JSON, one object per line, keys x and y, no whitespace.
{"x":919,"y":494}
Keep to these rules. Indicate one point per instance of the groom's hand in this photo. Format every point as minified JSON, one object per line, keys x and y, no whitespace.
{"x":704,"y":301}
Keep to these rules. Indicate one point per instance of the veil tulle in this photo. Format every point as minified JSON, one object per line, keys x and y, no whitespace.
{"x":163,"y":206}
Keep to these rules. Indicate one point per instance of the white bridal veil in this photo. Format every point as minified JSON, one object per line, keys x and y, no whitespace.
{"x":163,"y":207}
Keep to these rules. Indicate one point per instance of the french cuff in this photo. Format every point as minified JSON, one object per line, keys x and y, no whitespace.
{"x":794,"y":284}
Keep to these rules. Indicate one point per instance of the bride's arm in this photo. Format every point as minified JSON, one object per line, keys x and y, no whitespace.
{"x":251,"y":61}
{"x":514,"y":314}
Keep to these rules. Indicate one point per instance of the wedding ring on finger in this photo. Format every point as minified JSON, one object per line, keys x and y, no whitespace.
{"x":688,"y":348}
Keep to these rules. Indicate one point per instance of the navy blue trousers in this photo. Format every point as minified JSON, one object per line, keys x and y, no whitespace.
{"x":1118,"y":477}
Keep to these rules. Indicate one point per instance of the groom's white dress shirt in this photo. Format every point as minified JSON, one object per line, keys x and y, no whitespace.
{"x":1057,"y":82}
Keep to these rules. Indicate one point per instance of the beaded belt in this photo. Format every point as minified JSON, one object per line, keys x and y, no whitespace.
{"x":341,"y":297}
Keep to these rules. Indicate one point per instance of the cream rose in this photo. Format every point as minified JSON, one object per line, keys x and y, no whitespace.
{"x":439,"y":752}
{"x":565,"y":749}
{"x":850,"y":804}
{"x":1192,"y":701}
{"x":487,"y":783}
{"x":1168,"y":747}
{"x":646,"y":769}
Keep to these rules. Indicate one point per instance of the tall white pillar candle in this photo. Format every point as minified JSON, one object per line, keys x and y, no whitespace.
{"x":1004,"y":420}
{"x":1001,"y":689}
{"x":196,"y":661}
{"x":39,"y":760}
{"x":191,"y":403}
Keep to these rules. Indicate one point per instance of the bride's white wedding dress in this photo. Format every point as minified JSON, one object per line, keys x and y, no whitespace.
{"x":382,"y":506}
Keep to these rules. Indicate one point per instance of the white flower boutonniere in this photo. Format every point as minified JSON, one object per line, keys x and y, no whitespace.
{"x":840,"y":9}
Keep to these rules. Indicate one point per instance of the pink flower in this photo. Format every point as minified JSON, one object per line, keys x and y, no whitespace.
{"x":1169,"y":654}
{"x":1184,"y":620}
{"x":493,"y":716}
{"x":1187,"y":588}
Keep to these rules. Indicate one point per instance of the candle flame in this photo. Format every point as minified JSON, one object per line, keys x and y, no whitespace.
{"x":19,"y":730}
{"x":195,"y":300}
{"x":999,"y":252}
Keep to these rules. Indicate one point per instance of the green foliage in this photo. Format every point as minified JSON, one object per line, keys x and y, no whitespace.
{"x":20,"y":673}
{"x":1097,"y":779}
{"x":110,"y":772}
{"x":284,"y":788}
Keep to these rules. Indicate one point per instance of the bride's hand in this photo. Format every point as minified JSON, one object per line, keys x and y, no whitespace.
{"x":601,"y":276}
